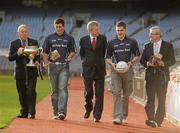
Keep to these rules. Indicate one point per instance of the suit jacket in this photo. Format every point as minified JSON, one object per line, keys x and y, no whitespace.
{"x":168,"y":58}
{"x":20,"y":72}
{"x":93,"y":61}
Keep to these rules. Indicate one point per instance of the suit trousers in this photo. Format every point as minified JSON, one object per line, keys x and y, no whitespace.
{"x":99,"y":95}
{"x":156,"y":87}
{"x":27,"y":95}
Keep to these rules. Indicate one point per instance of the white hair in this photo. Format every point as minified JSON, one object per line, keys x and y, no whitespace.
{"x":157,"y":29}
{"x":92,"y":24}
{"x":22,"y":26}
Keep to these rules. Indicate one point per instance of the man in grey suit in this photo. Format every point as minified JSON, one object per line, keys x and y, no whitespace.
{"x":157,"y":56}
{"x":92,"y":52}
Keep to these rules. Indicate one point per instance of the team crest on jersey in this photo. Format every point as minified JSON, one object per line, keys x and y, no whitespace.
{"x":121,"y":43}
{"x":53,"y":40}
{"x":127,"y":44}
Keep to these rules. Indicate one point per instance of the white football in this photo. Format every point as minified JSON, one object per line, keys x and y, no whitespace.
{"x":122,"y":67}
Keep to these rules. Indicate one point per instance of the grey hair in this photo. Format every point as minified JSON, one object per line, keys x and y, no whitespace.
{"x":21,"y":26}
{"x":156,"y":28}
{"x":92,"y":24}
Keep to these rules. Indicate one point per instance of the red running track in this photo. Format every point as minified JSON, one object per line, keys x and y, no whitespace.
{"x":75,"y":123}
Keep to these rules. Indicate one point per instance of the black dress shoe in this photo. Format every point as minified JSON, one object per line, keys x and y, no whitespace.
{"x":31,"y":116}
{"x":96,"y":120}
{"x":22,"y":116}
{"x":86,"y":114}
{"x":151,"y":123}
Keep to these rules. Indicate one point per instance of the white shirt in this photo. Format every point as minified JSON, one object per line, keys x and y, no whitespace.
{"x":91,"y":37}
{"x":157,"y":46}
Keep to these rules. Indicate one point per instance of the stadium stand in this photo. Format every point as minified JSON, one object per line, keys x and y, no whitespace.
{"x":40,"y":21}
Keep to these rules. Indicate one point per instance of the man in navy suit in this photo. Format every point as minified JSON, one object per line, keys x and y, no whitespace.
{"x":26,"y":77}
{"x":92,"y":52}
{"x":157,"y":56}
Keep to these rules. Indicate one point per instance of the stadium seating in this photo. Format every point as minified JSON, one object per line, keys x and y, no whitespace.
{"x":40,"y":22}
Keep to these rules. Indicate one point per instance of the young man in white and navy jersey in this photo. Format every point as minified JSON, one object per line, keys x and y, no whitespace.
{"x":122,"y":48}
{"x":58,"y":68}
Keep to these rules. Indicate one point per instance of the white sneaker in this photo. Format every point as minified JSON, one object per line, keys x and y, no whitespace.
{"x":61,"y":116}
{"x":55,"y":117}
{"x":124,"y":121}
{"x":117,"y":121}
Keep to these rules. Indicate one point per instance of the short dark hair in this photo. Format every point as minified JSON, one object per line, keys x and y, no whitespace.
{"x":121,"y":24}
{"x":59,"y":21}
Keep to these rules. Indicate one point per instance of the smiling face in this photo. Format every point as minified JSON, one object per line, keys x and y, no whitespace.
{"x":59,"y":28}
{"x":121,"y":32}
{"x":94,"y":31}
{"x":23,"y":33}
{"x":155,"y":35}
{"x":93,"y":28}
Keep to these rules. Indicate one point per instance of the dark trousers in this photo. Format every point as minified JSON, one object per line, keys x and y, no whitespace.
{"x":159,"y":88}
{"x":99,"y":96}
{"x":27,"y":95}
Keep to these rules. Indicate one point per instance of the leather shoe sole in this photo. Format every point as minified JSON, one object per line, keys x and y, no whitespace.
{"x":151,"y":123}
{"x":96,"y":120}
{"x":86,"y":115}
{"x":32,"y":117}
{"x":22,"y":116}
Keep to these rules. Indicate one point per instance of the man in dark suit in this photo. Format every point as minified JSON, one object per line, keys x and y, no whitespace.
{"x":92,"y":52}
{"x":157,"y":56}
{"x":26,"y":77}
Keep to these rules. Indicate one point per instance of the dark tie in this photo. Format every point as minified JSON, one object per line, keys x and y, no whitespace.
{"x":23,"y":44}
{"x":94,"y":43}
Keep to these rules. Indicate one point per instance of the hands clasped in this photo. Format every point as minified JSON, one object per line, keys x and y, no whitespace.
{"x":20,"y":51}
{"x":156,"y":60}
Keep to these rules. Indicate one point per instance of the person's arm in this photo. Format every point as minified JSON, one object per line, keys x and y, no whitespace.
{"x":171,"y":57}
{"x":71,"y":50}
{"x":143,"y":59}
{"x":133,"y":61}
{"x":45,"y":60}
{"x":136,"y":54}
{"x":70,"y":56}
{"x":37,"y":55}
{"x":46,"y":50}
{"x":108,"y":56}
{"x":105,"y":44}
{"x":81,"y":51}
{"x":13,"y":55}
{"x":111,"y":63}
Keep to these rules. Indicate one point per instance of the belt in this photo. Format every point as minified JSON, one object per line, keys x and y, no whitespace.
{"x":59,"y":63}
